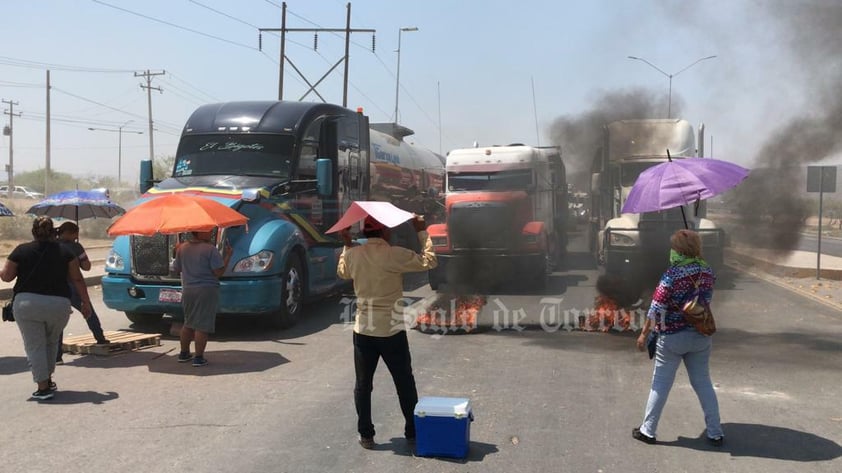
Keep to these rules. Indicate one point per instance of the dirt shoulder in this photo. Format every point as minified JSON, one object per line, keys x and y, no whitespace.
{"x":6,"y":246}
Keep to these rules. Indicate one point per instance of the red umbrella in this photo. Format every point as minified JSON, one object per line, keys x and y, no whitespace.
{"x":176,"y":213}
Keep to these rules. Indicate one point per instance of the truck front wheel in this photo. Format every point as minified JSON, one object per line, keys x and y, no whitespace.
{"x":143,"y":318}
{"x":292,"y":295}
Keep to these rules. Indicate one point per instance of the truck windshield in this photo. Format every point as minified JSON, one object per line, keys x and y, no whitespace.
{"x":240,"y":155}
{"x":495,"y":181}
{"x":630,"y":171}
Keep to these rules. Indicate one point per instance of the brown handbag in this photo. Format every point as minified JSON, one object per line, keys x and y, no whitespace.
{"x":697,"y":313}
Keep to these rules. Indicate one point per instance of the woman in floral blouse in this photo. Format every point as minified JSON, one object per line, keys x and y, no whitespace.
{"x":677,"y":340}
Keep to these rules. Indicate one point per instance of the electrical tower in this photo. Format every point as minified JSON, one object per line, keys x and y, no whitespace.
{"x":284,"y":30}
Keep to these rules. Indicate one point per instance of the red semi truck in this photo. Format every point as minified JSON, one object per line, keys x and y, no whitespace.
{"x":506,"y":215}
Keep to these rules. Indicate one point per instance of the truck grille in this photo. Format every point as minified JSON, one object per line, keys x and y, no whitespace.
{"x":151,"y":255}
{"x":483,"y":225}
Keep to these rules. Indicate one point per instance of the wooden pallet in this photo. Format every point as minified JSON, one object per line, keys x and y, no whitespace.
{"x":120,"y":342}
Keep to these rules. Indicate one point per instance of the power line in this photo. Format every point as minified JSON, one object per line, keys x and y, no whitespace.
{"x":82,"y":124}
{"x":211,"y":96}
{"x":158,"y":20}
{"x":10,"y":61}
{"x":6,"y":83}
{"x":97,"y":103}
{"x":76,"y":119}
{"x":189,"y":96}
{"x":224,"y":14}
{"x":109,"y":107}
{"x":130,"y":92}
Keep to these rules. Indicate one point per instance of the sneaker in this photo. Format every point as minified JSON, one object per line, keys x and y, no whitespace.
{"x":184,"y":357}
{"x":367,"y":442}
{"x":637,"y":434}
{"x":103,"y":341}
{"x":199,"y":361}
{"x":717,"y":441}
{"x":60,"y":361}
{"x":42,"y":394}
{"x":53,"y":386}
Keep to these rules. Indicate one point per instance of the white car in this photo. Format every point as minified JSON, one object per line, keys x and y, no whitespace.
{"x":22,"y":192}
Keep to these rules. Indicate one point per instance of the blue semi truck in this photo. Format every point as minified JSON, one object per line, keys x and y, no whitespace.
{"x":292,"y":168}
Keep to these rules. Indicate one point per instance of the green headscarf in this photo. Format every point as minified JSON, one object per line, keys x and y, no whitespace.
{"x":678,"y":259}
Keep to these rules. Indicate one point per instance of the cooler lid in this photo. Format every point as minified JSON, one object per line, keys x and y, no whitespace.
{"x":443,"y":407}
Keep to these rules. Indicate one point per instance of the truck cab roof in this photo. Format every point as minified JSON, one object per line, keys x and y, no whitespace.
{"x":257,"y":116}
{"x":650,"y":138}
{"x":499,"y":158}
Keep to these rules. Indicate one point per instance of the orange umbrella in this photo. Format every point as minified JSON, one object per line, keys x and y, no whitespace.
{"x":176,"y":213}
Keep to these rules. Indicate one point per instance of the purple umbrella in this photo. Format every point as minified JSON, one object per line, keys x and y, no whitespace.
{"x":680,"y":182}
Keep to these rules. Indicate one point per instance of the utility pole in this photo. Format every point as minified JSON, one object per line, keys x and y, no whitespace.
{"x":283,"y":59}
{"x":47,"y":167}
{"x":11,"y":113}
{"x":148,"y":75}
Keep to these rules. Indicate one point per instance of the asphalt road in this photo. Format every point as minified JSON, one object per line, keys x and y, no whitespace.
{"x":543,"y":400}
{"x":830,"y":246}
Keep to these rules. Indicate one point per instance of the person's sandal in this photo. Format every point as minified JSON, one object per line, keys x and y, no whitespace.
{"x":637,"y":434}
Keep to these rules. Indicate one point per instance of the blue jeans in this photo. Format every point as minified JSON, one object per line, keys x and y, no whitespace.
{"x":93,"y":321}
{"x":694,"y":349}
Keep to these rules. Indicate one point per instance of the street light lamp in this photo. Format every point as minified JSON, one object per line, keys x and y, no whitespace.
{"x":669,"y":101}
{"x":398,"y":81}
{"x":119,"y":132}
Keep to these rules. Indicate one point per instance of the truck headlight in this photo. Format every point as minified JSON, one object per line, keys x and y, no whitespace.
{"x":258,"y":263}
{"x":439,"y":240}
{"x":618,"y":239}
{"x":114,"y":262}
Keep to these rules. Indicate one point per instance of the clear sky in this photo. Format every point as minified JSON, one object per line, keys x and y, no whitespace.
{"x":466,"y":75}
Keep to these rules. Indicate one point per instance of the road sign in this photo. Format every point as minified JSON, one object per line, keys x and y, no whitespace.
{"x":821,"y":178}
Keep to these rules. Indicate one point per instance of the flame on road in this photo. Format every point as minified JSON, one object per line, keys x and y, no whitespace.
{"x":452,"y":313}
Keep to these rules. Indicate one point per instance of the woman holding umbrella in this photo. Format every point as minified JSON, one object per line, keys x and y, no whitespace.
{"x":68,"y":237}
{"x":678,"y":340}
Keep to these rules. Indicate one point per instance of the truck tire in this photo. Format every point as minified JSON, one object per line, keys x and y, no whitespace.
{"x":292,"y":295}
{"x":143,"y":318}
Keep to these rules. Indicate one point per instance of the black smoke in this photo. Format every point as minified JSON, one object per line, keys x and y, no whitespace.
{"x":579,"y":136}
{"x":772,"y":204}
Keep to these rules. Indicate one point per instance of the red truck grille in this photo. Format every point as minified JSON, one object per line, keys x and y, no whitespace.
{"x":483,"y":225}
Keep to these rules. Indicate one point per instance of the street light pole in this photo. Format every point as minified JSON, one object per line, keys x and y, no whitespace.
{"x":670,"y":76}
{"x":398,"y":81}
{"x":119,"y":132}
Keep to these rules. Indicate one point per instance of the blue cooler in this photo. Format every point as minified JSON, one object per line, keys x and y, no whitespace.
{"x":443,"y":426}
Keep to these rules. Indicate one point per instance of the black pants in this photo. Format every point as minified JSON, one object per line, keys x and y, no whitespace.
{"x":395,"y":353}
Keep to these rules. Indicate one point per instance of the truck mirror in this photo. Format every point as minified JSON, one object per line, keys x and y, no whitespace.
{"x":596,"y":181}
{"x":146,"y":179}
{"x":324,"y":176}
